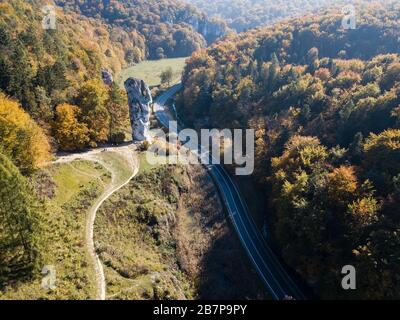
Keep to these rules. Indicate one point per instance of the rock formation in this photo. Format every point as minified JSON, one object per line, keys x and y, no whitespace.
{"x":139,"y":99}
{"x":107,"y":77}
{"x":210,"y":29}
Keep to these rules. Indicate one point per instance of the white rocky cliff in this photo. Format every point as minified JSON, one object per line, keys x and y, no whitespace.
{"x":140,"y":100}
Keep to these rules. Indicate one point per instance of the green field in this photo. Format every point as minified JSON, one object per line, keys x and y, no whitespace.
{"x":150,"y":71}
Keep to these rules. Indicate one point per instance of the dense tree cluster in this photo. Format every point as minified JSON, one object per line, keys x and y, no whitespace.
{"x":325,"y":106}
{"x":51,"y":95}
{"x":242,"y":15}
{"x":171,"y":28}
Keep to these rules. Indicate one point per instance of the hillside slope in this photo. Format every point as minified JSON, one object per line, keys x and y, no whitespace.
{"x":171,"y":28}
{"x":67,"y":191}
{"x":165,"y":236}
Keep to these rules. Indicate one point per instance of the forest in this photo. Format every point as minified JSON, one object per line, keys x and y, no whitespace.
{"x":242,"y":15}
{"x":325,"y":106}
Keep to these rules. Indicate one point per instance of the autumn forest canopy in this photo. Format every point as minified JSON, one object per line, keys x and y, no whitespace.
{"x":166,"y":28}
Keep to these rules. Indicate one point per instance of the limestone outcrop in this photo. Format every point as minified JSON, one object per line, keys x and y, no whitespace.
{"x":139,"y":99}
{"x":210,"y":29}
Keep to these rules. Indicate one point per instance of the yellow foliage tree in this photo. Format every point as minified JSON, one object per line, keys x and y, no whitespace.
{"x":21,"y":138}
{"x":69,"y":132}
{"x":92,"y":95}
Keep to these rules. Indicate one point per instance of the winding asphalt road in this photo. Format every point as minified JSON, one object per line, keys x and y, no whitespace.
{"x":277,"y":281}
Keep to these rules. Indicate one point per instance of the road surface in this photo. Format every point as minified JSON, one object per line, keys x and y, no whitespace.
{"x":277,"y":281}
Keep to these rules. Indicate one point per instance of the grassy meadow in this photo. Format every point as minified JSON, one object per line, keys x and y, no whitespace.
{"x":68,"y":190}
